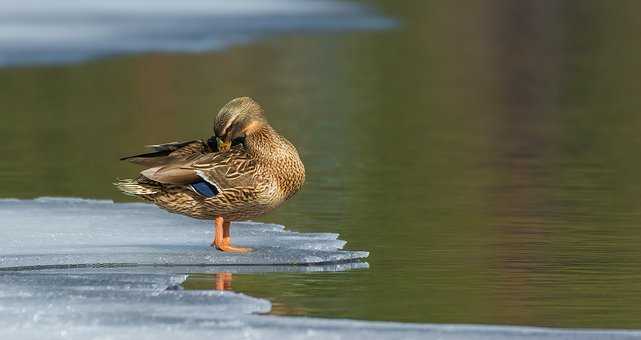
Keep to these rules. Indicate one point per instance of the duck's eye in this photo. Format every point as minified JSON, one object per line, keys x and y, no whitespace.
{"x":238,"y":140}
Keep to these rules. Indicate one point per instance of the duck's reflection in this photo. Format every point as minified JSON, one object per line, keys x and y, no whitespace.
{"x":292,"y":290}
{"x":259,"y":286}
{"x":222,"y":281}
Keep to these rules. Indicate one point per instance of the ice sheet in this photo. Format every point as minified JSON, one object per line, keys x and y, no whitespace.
{"x":51,"y":31}
{"x":50,"y":232}
{"x":43,"y":297}
{"x":107,"y":304}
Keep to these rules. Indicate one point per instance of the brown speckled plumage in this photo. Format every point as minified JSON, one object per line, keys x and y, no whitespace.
{"x":256,"y":174}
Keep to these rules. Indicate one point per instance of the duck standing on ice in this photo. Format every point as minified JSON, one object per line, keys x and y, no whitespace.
{"x":245,"y":170}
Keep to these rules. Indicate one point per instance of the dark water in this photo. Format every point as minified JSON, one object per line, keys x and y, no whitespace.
{"x":487,"y":153}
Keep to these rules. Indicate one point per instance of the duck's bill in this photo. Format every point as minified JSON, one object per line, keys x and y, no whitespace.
{"x":223,"y":146}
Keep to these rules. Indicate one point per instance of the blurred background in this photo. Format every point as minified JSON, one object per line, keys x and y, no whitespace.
{"x":487,"y":153}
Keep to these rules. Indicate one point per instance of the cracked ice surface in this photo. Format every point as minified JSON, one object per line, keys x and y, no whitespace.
{"x":49,"y":232}
{"x":70,"y":304}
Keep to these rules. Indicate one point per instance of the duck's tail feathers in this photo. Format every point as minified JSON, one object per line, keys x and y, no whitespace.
{"x":131,"y":187}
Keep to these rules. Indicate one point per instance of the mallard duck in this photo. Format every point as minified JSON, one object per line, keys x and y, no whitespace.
{"x":245,"y":170}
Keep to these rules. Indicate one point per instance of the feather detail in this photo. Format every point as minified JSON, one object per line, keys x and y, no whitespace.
{"x":172,"y":146}
{"x":171,"y":174}
{"x":205,"y":189}
{"x":170,"y":152}
{"x":132,"y":188}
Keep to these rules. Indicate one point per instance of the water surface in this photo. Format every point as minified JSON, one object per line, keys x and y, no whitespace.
{"x":487,"y":155}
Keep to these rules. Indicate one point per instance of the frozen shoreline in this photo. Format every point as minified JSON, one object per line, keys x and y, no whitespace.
{"x":143,"y":300}
{"x":52,"y":32}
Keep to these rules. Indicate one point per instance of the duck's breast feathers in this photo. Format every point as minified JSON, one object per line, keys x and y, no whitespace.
{"x":167,"y":153}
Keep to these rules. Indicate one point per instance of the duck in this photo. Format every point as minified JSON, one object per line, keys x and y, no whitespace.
{"x":245,"y":170}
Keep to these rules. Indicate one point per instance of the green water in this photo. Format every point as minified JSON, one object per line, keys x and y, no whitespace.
{"x":487,"y":153}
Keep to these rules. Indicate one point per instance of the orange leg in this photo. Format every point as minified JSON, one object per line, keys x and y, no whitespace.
{"x":222,"y":237}
{"x":218,"y":233}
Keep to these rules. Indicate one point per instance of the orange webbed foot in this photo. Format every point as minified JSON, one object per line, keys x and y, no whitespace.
{"x":228,"y":248}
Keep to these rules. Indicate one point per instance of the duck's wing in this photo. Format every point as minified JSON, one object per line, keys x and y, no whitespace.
{"x":167,"y":153}
{"x":231,"y":169}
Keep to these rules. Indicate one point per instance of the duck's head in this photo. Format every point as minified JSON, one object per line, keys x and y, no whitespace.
{"x":236,"y":120}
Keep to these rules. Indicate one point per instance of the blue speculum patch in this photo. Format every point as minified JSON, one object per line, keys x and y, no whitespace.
{"x":205,"y":188}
